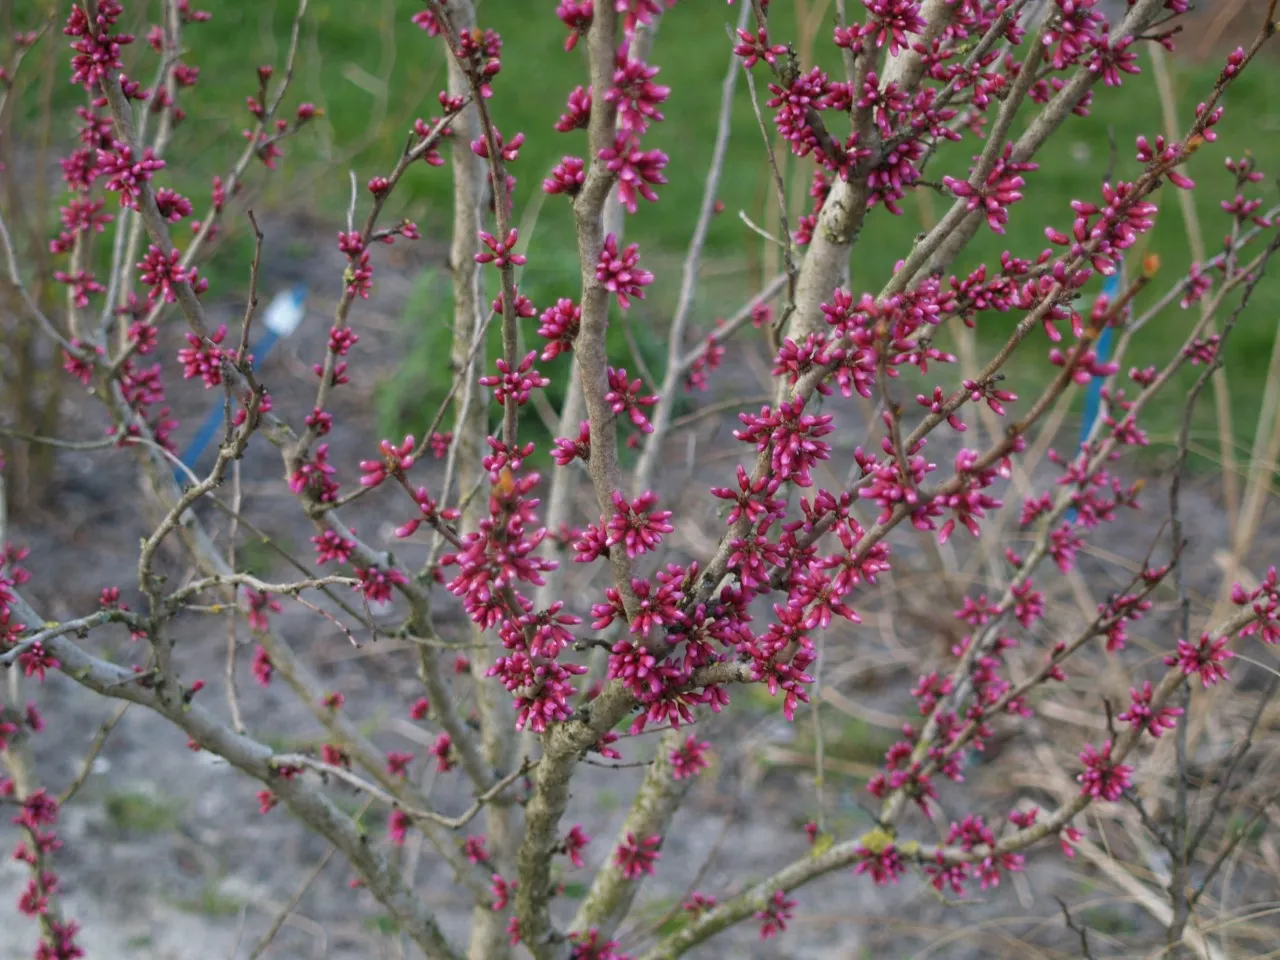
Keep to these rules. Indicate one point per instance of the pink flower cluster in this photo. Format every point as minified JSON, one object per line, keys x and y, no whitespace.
{"x":37,"y":814}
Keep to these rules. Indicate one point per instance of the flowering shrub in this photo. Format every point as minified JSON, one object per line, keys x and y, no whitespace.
{"x":662,"y":639}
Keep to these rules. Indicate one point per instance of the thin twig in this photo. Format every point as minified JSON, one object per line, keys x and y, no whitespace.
{"x":1228,"y":775}
{"x":265,"y":941}
{"x":15,"y":278}
{"x":81,"y":625}
{"x":661,"y":414}
{"x":61,"y":444}
{"x":1080,"y":930}
{"x":415,"y":813}
{"x":233,"y":698}
{"x":95,"y":748}
{"x":1180,"y":870}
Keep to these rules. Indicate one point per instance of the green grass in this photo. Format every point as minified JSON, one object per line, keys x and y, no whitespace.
{"x":1108,"y":921}
{"x":211,"y":902}
{"x":847,"y":738}
{"x":133,"y":812}
{"x":255,"y":557}
{"x":381,"y":924}
{"x":372,"y":72}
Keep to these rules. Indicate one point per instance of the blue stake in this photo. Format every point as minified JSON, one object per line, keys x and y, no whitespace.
{"x":1093,"y":396}
{"x":281,"y":319}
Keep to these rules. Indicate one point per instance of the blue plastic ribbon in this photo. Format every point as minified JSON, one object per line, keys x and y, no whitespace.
{"x":281,"y":319}
{"x":1093,"y":396}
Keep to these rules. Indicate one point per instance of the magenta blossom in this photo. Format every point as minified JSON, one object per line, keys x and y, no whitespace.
{"x":690,"y":759}
{"x":636,"y":525}
{"x":1141,"y":715}
{"x":773,"y":918}
{"x":635,"y":94}
{"x":1102,"y":778}
{"x":625,"y":397}
{"x":1207,"y":658}
{"x":637,"y":171}
{"x":575,"y":842}
{"x":635,"y":857}
{"x":621,"y":273}
{"x":791,"y":436}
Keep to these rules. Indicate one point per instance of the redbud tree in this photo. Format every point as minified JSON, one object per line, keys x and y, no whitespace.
{"x":595,"y":632}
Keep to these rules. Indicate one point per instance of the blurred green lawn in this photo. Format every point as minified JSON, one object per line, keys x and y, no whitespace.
{"x":373,"y":72}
